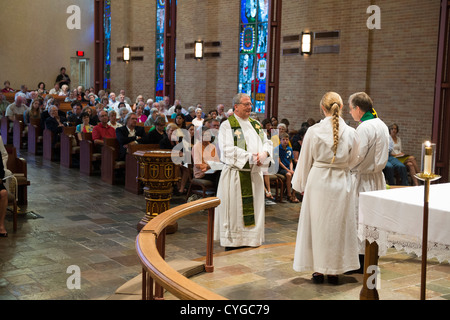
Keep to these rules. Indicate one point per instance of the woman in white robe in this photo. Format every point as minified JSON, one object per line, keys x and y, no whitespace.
{"x":327,"y":233}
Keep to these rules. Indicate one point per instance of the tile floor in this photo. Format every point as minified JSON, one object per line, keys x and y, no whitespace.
{"x":74,"y":220}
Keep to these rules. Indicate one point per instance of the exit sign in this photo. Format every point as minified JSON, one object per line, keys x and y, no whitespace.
{"x":80,"y":53}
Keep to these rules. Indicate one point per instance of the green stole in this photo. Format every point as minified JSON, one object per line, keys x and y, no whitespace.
{"x":248,"y":210}
{"x":372,"y":114}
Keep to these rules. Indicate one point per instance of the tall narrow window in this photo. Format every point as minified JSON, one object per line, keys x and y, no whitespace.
{"x":253,"y":51}
{"x":159,"y":68}
{"x":107,"y":53}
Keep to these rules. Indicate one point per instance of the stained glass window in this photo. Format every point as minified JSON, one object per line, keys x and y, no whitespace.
{"x":159,"y":44}
{"x":107,"y":46}
{"x":253,"y":51}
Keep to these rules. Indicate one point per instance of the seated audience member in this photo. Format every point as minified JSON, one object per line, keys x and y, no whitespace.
{"x":407,"y":160}
{"x":55,"y":90}
{"x":275,"y":138}
{"x":23,"y":92}
{"x":148,"y":107}
{"x":191,"y":114}
{"x":139,"y":99}
{"x":75,"y":116}
{"x":157,"y":133}
{"x":122,"y":103}
{"x":170,"y":139}
{"x":150,"y":122}
{"x":81,"y":94}
{"x":393,"y":165}
{"x":93,"y":119}
{"x":3,"y":104}
{"x":129,"y":133}
{"x":6,"y":87}
{"x":41,"y":88}
{"x":71,"y":97}
{"x":297,"y":141}
{"x":177,"y":111}
{"x":140,"y":113}
{"x":103,"y":129}
{"x":54,"y":124}
{"x":112,"y":119}
{"x":18,"y":107}
{"x":85,"y":126}
{"x":112,"y":102}
{"x":92,"y":102}
{"x":274,"y":122}
{"x":198,"y":120}
{"x":64,"y":91}
{"x":34,"y":112}
{"x":286,"y":167}
{"x":221,"y":112}
{"x":122,"y":115}
{"x":180,"y":122}
{"x":46,"y":113}
{"x":202,"y":152}
{"x":286,"y":123}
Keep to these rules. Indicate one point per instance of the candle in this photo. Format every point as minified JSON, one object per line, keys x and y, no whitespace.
{"x":428,"y":159}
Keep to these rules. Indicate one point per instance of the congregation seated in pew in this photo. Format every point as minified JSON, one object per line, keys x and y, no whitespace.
{"x":130,"y":133}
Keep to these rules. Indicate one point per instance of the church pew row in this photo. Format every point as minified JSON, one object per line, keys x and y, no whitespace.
{"x":35,"y":137}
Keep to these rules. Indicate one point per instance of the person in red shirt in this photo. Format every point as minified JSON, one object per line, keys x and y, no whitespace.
{"x":7,"y":87}
{"x":103,"y":129}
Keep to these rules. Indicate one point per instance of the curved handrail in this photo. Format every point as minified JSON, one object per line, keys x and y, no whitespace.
{"x":157,"y":267}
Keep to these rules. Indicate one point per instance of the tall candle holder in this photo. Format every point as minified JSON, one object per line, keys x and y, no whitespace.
{"x":426,"y":175}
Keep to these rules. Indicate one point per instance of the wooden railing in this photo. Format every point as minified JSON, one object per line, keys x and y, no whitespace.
{"x":150,"y":246}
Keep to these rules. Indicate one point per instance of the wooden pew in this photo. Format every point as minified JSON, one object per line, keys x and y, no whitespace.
{"x":18,"y":166}
{"x":34,"y":136}
{"x":52,"y":144}
{"x":132,"y":184}
{"x":9,"y":96}
{"x":90,"y":155}
{"x":69,"y":147}
{"x":19,"y":133}
{"x":110,"y":163}
{"x":4,"y":128}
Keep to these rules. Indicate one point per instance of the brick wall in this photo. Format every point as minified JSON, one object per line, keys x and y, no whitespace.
{"x":395,"y":64}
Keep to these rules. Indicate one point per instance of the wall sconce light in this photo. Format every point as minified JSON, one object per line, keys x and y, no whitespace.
{"x":198,"y":50}
{"x":126,"y":54}
{"x":306,"y":43}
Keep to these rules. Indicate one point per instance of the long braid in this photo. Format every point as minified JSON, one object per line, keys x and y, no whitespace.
{"x":335,"y":113}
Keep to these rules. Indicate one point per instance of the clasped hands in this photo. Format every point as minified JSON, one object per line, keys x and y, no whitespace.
{"x":259,"y":158}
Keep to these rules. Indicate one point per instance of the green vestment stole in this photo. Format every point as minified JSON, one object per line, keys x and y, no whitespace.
{"x":248,"y":210}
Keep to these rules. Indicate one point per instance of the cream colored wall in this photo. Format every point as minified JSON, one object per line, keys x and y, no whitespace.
{"x":36,"y":43}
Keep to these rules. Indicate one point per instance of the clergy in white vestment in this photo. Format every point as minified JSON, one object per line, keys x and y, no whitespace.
{"x":373,"y":151}
{"x":245,"y":152}
{"x":327,"y":241}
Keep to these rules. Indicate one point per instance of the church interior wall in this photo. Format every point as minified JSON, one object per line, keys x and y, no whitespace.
{"x":395,"y":64}
{"x":38,"y":39}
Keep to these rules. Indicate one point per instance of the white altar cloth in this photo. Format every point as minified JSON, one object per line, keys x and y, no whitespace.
{"x":395,"y":218}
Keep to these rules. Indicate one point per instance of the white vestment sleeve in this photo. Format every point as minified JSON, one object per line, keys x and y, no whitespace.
{"x":304,"y":164}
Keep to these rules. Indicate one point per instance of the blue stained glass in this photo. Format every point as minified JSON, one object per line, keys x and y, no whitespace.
{"x":159,"y":49}
{"x":107,"y":45}
{"x":246,"y":68}
{"x":248,"y":38}
{"x":263,"y":12}
{"x":262,"y":38}
{"x":253,"y":51}
{"x":248,"y":11}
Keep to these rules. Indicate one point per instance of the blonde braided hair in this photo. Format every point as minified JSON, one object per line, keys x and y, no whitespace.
{"x":332,"y":103}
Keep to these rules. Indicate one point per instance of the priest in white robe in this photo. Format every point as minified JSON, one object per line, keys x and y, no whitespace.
{"x":245,"y":151}
{"x":373,"y":151}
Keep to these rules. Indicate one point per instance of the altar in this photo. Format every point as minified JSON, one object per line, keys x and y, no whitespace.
{"x":394,"y":218}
